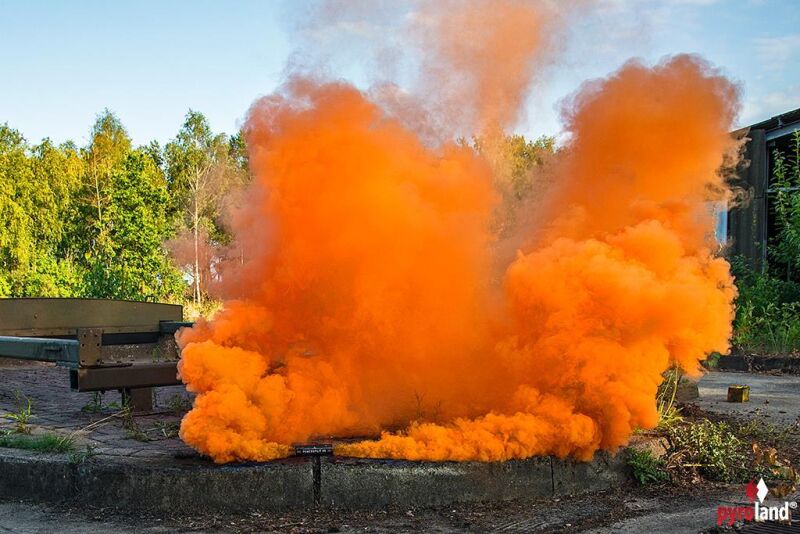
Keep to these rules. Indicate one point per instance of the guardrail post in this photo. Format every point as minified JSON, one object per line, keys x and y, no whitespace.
{"x":138,"y":399}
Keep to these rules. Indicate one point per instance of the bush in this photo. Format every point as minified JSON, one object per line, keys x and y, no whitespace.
{"x":767,"y":311}
{"x":710,"y":448}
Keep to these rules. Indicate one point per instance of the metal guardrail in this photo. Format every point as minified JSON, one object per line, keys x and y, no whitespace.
{"x":62,"y":351}
{"x":105,"y":344}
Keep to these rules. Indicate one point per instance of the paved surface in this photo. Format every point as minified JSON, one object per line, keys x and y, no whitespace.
{"x":25,"y":518}
{"x":94,"y":420}
{"x":632,"y":511}
{"x":775,"y":398}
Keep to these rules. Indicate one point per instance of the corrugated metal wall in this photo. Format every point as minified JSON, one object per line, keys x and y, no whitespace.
{"x":747,"y":223}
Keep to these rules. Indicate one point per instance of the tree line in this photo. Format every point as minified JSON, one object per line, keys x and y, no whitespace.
{"x":113,"y":220}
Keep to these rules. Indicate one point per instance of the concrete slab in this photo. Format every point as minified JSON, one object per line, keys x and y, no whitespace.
{"x":156,"y":487}
{"x":364,"y":483}
{"x":603,"y":472}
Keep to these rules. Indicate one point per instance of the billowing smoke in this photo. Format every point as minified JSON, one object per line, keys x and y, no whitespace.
{"x":369,"y":304}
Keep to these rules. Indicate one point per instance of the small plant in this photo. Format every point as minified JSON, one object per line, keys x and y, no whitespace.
{"x":712,"y":362}
{"x":132,"y":429}
{"x":179,"y":403}
{"x":23,"y":415}
{"x":668,"y":413}
{"x":48,"y":442}
{"x":711,"y":449}
{"x":646,"y":468}
{"x":95,"y":405}
{"x":757,"y":430}
{"x":167,"y":429}
{"x":78,"y":457}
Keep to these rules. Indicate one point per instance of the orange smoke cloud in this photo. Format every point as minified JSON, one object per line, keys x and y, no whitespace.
{"x":367,"y":304}
{"x":480,"y":61}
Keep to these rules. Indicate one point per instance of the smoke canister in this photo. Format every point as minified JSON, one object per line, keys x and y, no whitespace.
{"x":738,"y":393}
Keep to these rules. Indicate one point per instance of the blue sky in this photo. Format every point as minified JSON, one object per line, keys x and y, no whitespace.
{"x":63,"y":62}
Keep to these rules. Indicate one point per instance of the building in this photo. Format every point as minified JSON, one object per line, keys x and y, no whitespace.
{"x":751,"y":225}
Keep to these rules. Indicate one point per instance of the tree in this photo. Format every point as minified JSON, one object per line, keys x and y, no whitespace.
{"x":202,"y":168}
{"x":137,"y":224}
{"x":36,"y":187}
{"x":515,"y":161}
{"x":108,"y":148}
{"x":16,"y":239}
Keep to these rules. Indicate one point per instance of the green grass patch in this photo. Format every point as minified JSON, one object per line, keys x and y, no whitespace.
{"x":48,"y":442}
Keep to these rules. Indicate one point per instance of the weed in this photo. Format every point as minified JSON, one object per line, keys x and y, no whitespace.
{"x":646,"y":468}
{"x":761,"y":431}
{"x":168,"y":429}
{"x":94,"y":405}
{"x":179,"y":403}
{"x":78,"y":457}
{"x":668,"y":413}
{"x":48,"y":442}
{"x":23,"y":415}
{"x":133,"y":431}
{"x":711,"y":449}
{"x":712,"y":361}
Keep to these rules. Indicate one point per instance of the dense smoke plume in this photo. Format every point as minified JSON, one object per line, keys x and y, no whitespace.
{"x":368,"y":302}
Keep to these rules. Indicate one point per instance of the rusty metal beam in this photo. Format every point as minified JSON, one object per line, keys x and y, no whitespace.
{"x":140,"y":375}
{"x":170,"y":327}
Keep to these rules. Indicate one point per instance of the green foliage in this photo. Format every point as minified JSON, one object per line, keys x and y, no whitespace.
{"x":785,"y":181}
{"x":710,"y":448}
{"x":645,"y":467}
{"x":48,"y":442}
{"x":85,"y":223}
{"x":712,"y":362}
{"x":768,"y":305}
{"x":95,"y":405}
{"x":179,"y":403}
{"x":758,"y":430}
{"x":767,"y":311}
{"x":23,"y":415}
{"x":775,"y":330}
{"x":131,"y":263}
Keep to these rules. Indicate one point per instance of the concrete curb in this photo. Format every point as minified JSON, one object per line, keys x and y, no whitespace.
{"x":754,"y":363}
{"x":326,"y":482}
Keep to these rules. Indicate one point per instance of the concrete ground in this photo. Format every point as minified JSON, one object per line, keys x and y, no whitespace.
{"x":775,"y":398}
{"x":631,"y":510}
